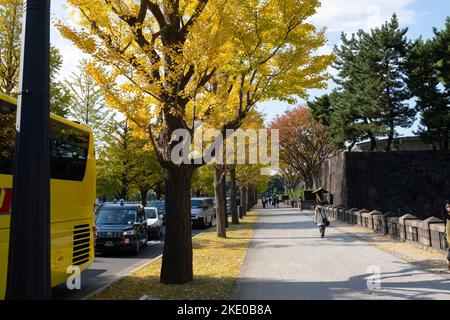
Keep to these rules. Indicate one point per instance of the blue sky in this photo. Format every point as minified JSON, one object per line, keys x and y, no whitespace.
{"x":420,"y":16}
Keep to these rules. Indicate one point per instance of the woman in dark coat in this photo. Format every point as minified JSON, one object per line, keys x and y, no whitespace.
{"x":446,"y":217}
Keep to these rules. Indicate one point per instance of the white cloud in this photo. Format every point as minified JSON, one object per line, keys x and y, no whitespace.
{"x":350,"y":16}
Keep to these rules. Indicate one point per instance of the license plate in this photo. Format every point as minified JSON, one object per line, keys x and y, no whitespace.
{"x":109,"y":244}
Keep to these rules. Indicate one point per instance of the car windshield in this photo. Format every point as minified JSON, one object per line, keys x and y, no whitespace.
{"x":157,"y":204}
{"x":150,"y":213}
{"x":117,"y":216}
{"x":196,"y":203}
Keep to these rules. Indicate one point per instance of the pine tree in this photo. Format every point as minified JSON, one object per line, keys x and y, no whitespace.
{"x":356,"y":113}
{"x":428,"y":81}
{"x":88,"y":105}
{"x":442,"y":54}
{"x":321,"y":109}
{"x":372,"y":93}
{"x":60,"y":97}
{"x":383,"y":53}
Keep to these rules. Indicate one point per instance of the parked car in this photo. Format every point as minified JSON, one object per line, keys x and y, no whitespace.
{"x":161,"y":206}
{"x":154,"y":223}
{"x":228,"y":207}
{"x":121,"y":227}
{"x":202,"y":211}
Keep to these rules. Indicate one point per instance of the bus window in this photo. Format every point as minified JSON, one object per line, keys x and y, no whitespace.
{"x":69,"y":148}
{"x":7,"y":136}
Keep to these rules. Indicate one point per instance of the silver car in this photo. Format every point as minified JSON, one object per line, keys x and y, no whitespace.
{"x":154,"y":223}
{"x":202,"y":212}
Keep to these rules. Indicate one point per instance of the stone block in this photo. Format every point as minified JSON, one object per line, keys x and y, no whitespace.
{"x":349,"y":215}
{"x":402,"y":225}
{"x":393,"y":227}
{"x":412,"y":227}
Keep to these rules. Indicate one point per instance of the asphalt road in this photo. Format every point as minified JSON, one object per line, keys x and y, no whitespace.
{"x":287,"y":259}
{"x":109,"y":267}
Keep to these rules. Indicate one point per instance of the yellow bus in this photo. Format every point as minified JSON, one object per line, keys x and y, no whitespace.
{"x":72,"y":193}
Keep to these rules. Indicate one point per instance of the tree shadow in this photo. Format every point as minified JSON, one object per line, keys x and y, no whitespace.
{"x":354,"y":288}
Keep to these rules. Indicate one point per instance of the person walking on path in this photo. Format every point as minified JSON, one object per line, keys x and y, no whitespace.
{"x":321,"y":220}
{"x":446,"y":217}
{"x":264,"y":202}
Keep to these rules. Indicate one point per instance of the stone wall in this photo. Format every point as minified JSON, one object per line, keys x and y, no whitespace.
{"x":415,"y":182}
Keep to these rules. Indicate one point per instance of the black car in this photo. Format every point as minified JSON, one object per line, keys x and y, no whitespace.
{"x":121,"y":227}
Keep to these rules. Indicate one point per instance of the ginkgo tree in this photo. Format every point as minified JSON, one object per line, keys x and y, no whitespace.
{"x":172,"y":63}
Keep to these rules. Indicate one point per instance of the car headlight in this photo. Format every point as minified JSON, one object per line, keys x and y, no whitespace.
{"x":129,"y":233}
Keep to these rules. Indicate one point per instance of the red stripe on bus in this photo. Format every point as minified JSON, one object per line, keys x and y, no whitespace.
{"x":7,"y":199}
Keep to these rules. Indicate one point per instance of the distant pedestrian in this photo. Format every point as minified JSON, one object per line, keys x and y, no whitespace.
{"x":446,"y":217}
{"x":277,"y":201}
{"x":263,"y":200}
{"x":274,"y":201}
{"x":292,"y":201}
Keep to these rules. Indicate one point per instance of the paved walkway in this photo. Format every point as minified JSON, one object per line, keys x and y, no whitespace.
{"x":288,"y":260}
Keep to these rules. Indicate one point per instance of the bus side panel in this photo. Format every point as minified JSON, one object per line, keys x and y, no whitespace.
{"x":72,"y":214}
{"x":72,"y":207}
{"x":4,"y":240}
{"x":62,"y":249}
{"x":61,"y":252}
{"x":5,"y":183}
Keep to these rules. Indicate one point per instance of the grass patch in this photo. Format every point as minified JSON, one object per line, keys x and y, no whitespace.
{"x":216,"y":262}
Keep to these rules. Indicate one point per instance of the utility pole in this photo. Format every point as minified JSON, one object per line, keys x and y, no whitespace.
{"x":29,"y":242}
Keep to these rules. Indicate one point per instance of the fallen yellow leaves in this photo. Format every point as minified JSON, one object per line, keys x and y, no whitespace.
{"x":217,"y":263}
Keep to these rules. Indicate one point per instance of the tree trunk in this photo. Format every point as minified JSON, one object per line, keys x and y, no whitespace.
{"x":143,"y":193}
{"x":373,"y":143}
{"x":390,"y":138}
{"x":351,"y":145}
{"x":224,"y":190}
{"x":249,"y":198}
{"x":233,"y":196}
{"x":123,"y":193}
{"x":177,"y":255}
{"x":219,"y":180}
{"x":244,"y":199}
{"x":158,"y":190}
